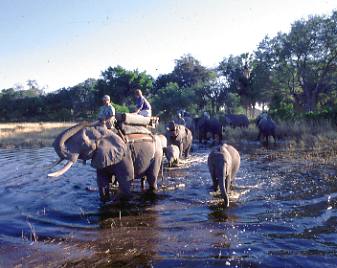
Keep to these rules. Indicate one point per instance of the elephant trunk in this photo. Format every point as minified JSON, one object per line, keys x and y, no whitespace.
{"x":224,"y":193}
{"x":223,"y":184}
{"x":59,"y":143}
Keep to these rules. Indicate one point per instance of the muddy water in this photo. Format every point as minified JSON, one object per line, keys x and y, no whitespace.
{"x":282,"y":214}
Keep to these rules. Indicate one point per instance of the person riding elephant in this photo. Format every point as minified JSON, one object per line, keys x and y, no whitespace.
{"x":106,"y":114}
{"x":180,"y":136}
{"x":223,"y":164}
{"x":143,"y":106}
{"x":189,"y":121}
{"x":179,"y":120}
{"x":125,"y":157}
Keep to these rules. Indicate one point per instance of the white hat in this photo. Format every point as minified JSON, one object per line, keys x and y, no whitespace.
{"x":106,"y":97}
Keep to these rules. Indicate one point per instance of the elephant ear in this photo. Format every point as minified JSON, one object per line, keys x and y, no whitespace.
{"x":110,"y":150}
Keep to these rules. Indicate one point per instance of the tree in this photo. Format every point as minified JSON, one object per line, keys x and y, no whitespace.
{"x":83,"y":98}
{"x":171,"y":99}
{"x":188,"y":72}
{"x":239,"y":76}
{"x":215,"y":94}
{"x":120,"y":84}
{"x":304,"y":62}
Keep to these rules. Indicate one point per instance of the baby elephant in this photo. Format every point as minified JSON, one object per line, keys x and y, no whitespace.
{"x":172,"y":154}
{"x":223,"y":163}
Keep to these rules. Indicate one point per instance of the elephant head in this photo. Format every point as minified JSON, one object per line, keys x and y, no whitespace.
{"x":87,"y":141}
{"x":172,"y":130}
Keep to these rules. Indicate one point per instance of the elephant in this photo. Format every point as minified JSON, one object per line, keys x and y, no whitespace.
{"x":236,"y":120}
{"x":124,"y":156}
{"x":266,"y":127}
{"x":163,"y":141}
{"x":223,"y":164}
{"x":172,"y":154}
{"x":180,"y":136}
{"x":206,"y":125}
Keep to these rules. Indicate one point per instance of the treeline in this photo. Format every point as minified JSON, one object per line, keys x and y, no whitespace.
{"x":293,"y":74}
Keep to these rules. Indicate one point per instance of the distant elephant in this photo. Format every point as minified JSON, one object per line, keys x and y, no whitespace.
{"x":236,"y":120}
{"x":125,"y":157}
{"x":266,"y":127}
{"x":206,"y":125}
{"x":180,"y":136}
{"x":223,"y":164}
{"x":172,"y":154}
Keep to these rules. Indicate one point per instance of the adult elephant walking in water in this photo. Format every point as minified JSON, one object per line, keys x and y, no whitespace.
{"x":125,"y":157}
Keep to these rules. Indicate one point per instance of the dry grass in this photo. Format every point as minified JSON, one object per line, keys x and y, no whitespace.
{"x":233,"y":135}
{"x":308,"y":135}
{"x":16,"y":135}
{"x":307,"y":140}
{"x":301,"y":134}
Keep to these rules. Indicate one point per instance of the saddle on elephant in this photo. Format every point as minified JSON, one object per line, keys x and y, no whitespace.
{"x":134,"y":127}
{"x":131,"y":119}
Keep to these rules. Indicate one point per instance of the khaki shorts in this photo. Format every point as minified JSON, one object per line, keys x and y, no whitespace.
{"x":146,"y":113}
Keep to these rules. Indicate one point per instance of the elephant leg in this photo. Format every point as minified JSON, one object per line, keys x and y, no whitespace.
{"x":228,"y":184}
{"x":152,"y":173}
{"x":142,"y":182}
{"x":181,"y":150}
{"x":215,"y":182}
{"x":187,"y":151}
{"x":103,"y":180}
{"x":124,"y":175}
{"x":274,"y":136}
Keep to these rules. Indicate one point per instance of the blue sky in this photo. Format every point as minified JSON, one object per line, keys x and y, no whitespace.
{"x":61,"y":43}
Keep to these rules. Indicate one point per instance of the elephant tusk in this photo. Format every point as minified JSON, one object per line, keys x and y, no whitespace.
{"x":61,"y":171}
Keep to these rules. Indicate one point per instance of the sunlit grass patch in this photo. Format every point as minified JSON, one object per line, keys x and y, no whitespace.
{"x":13,"y":135}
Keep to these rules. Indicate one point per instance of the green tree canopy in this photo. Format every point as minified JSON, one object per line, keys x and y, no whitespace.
{"x":120,"y":84}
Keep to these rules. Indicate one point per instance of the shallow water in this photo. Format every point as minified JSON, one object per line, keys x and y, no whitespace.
{"x":282,"y":214}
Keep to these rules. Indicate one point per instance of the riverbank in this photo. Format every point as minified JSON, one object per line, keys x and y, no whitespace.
{"x":26,"y":135}
{"x":310,"y":141}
